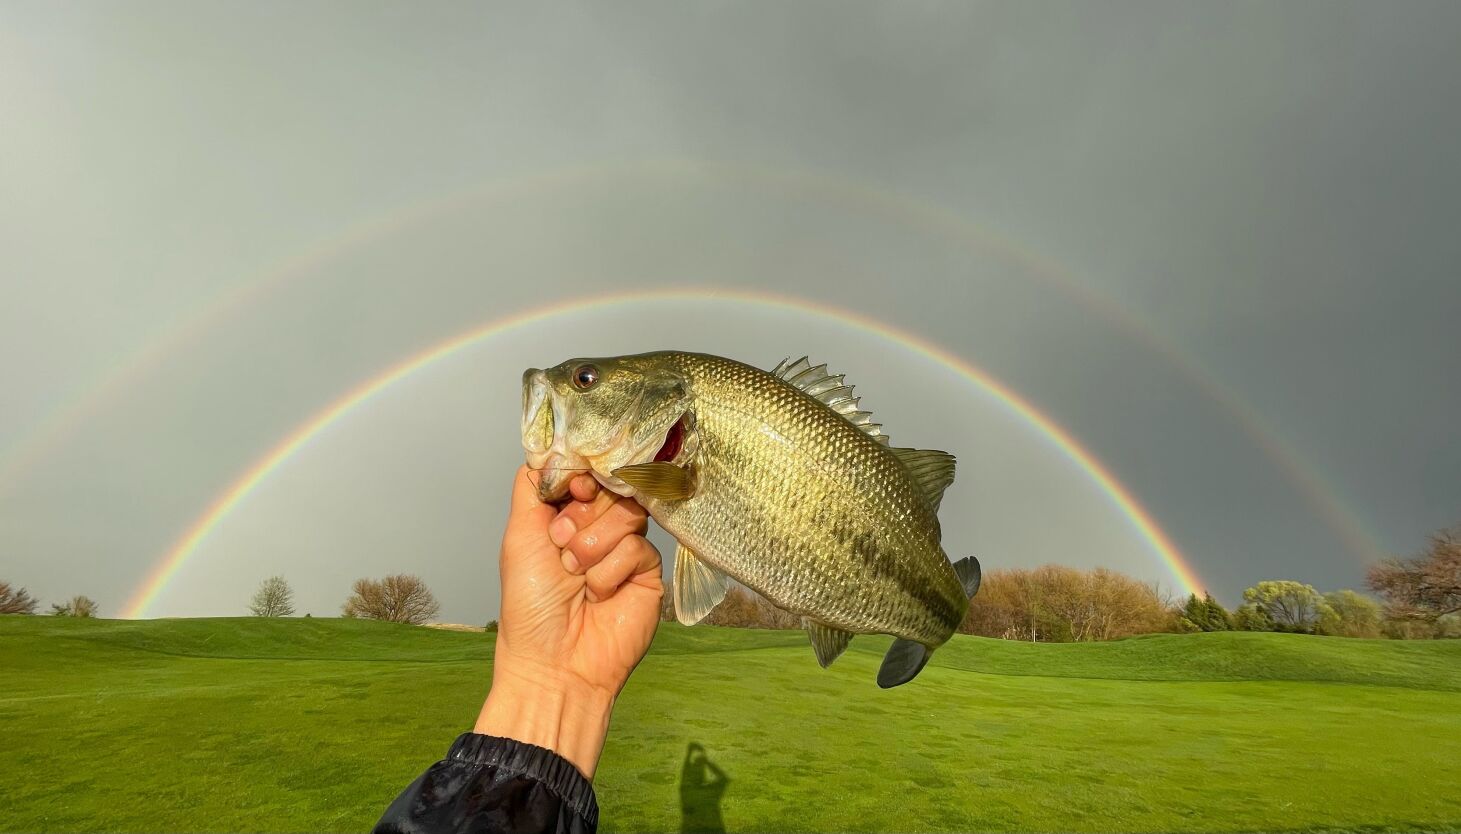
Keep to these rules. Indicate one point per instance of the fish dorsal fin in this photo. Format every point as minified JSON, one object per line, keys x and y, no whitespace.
{"x":831,"y":390}
{"x":827,"y":642}
{"x":698,"y":587}
{"x":931,"y":469}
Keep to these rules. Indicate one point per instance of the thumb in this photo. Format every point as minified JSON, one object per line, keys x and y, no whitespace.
{"x":528,"y":516}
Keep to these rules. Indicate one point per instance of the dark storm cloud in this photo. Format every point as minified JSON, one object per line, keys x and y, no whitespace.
{"x":1271,"y":191}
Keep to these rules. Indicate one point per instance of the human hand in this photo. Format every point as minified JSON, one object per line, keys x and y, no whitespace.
{"x":581,"y":592}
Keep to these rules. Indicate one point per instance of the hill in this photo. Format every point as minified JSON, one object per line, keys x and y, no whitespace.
{"x":315,"y":724}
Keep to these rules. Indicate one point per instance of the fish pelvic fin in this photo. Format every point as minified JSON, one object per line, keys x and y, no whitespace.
{"x":659,"y":479}
{"x":698,"y":587}
{"x":904,"y":660}
{"x":969,"y":575}
{"x":931,"y":469}
{"x":828,"y":642}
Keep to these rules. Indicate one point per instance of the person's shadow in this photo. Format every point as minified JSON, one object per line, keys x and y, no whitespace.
{"x":702,"y":785}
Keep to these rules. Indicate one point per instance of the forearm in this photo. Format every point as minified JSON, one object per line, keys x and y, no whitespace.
{"x":548,"y":708}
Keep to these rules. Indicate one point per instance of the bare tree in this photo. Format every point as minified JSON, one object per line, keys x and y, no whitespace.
{"x":1058,"y":604}
{"x":1426,"y":587}
{"x":399,"y":599}
{"x":77,"y":606}
{"x":16,"y":600}
{"x":273,"y":599}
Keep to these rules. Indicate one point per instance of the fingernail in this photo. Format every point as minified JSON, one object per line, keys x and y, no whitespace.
{"x":561,"y":530}
{"x":570,"y":562}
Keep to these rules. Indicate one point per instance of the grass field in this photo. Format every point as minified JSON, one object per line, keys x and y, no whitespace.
{"x":315,"y":725}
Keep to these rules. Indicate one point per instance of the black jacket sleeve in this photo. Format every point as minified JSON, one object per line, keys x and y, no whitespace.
{"x":490,"y":784}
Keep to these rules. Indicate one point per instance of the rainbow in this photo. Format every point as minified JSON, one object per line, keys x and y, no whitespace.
{"x":167,"y":567}
{"x":87,"y":399}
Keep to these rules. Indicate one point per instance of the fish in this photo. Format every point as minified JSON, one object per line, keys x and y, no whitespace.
{"x":775,"y":479}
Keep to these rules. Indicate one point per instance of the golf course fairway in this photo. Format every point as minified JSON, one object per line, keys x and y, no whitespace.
{"x":316,"y":724}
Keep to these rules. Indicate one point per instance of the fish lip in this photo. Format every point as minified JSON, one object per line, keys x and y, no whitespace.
{"x":537,"y":395}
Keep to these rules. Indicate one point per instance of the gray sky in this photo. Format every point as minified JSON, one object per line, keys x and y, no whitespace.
{"x":1218,"y":243}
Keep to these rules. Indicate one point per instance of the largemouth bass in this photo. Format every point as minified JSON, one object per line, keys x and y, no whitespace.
{"x":776,"y":479}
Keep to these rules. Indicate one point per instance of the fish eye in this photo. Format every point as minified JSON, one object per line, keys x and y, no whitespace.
{"x":585,"y":377}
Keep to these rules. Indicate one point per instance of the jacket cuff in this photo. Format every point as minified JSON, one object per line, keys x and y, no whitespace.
{"x":551,"y":770}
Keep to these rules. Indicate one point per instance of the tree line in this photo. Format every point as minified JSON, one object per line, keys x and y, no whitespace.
{"x":1418,"y":597}
{"x":15,"y":600}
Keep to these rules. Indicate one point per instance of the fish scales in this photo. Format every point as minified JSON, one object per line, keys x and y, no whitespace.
{"x":773,"y":459}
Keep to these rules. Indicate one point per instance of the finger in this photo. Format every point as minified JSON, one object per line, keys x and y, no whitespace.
{"x":632,"y":556}
{"x":583,"y":488}
{"x":527,"y":512}
{"x":595,"y":541}
{"x":577,"y":515}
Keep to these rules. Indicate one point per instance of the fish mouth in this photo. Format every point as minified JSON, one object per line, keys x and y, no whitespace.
{"x":545,"y":419}
{"x":674,"y":440}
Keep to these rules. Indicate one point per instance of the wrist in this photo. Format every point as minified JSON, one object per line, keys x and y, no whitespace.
{"x":549,"y":708}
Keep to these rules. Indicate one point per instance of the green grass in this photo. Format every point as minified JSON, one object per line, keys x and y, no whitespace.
{"x":315,"y":725}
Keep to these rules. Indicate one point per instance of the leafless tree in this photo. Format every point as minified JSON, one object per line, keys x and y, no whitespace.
{"x":400,"y":598}
{"x":77,"y":606}
{"x":16,"y":600}
{"x":1424,"y":588}
{"x":273,"y":599}
{"x":1057,"y":603}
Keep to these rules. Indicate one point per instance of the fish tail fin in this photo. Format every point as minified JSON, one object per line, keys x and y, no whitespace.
{"x":969,"y":575}
{"x":904,"y":660}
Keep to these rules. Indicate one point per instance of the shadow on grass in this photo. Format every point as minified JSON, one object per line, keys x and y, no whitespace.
{"x":702,"y":787}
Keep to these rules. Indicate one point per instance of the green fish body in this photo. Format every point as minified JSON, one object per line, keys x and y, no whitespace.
{"x":777,"y":480}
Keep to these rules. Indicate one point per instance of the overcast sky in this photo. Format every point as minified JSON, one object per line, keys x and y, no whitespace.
{"x":1219,"y":244}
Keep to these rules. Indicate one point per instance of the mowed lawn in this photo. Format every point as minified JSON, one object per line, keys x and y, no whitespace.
{"x":315,"y":725}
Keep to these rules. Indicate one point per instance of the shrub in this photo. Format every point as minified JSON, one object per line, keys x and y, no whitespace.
{"x":77,"y":606}
{"x":16,"y":600}
{"x":1054,"y":603}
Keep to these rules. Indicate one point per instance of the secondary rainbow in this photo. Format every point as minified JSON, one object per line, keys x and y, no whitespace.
{"x":157,"y":579}
{"x":88,"y":399}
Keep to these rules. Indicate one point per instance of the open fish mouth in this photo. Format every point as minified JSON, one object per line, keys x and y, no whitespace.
{"x":673,"y":447}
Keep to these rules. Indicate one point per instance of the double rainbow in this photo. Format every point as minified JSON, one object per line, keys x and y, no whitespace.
{"x":1140,"y":519}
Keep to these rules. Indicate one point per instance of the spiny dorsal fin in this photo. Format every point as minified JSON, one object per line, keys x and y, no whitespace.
{"x":932,"y":470}
{"x":827,"y":642}
{"x":832,"y":390}
{"x":698,"y":587}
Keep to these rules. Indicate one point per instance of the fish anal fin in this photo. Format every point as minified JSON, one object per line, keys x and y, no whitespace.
{"x":828,"y":642}
{"x":931,"y":469}
{"x":904,"y":660}
{"x":659,"y":479}
{"x":698,"y":587}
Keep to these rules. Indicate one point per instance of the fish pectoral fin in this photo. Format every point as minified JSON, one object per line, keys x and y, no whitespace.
{"x":931,"y":469}
{"x":904,"y":660}
{"x":658,"y":479}
{"x":969,"y":575}
{"x":827,"y":642}
{"x":698,"y":587}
